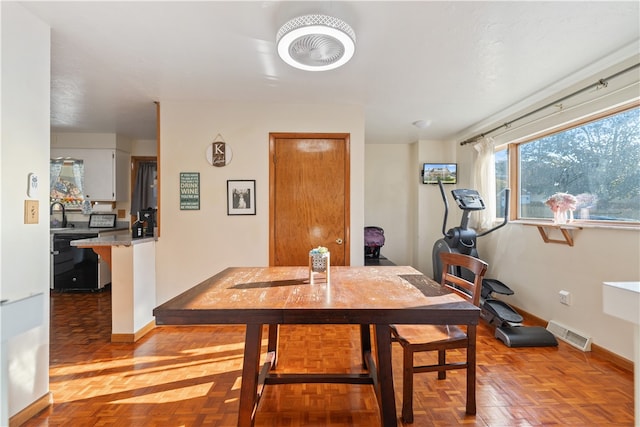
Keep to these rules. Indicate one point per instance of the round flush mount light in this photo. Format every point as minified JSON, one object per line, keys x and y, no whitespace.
{"x":316,"y":42}
{"x":422,"y":124}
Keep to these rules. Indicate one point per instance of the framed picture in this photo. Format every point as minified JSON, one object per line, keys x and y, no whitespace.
{"x":241,"y":197}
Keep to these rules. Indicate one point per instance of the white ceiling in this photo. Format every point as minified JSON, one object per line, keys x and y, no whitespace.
{"x":452,"y":64}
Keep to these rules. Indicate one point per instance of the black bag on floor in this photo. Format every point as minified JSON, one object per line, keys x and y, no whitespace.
{"x":373,"y":241}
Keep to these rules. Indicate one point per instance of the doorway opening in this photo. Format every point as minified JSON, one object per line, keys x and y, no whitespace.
{"x":144,"y":185}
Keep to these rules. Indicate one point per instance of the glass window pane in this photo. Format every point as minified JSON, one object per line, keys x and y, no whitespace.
{"x":502,"y":180}
{"x":598,"y":163}
{"x":67,"y":182}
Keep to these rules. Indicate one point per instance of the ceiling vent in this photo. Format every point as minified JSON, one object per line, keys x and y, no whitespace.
{"x":576,"y":339}
{"x":316,"y":42}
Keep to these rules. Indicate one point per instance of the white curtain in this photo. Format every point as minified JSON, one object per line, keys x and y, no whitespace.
{"x":55,"y":167}
{"x":78,"y":174}
{"x":484,"y":177}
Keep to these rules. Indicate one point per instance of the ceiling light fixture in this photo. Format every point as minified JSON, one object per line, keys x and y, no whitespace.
{"x":316,"y":42}
{"x":422,"y":124}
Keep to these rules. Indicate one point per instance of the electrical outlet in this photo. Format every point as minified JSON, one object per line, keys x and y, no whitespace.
{"x":565,"y":297}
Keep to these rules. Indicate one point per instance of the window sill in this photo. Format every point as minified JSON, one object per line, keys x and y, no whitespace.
{"x":580,"y":224}
{"x":566,"y":230}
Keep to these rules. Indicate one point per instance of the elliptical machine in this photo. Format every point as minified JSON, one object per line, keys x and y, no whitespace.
{"x":462,"y":240}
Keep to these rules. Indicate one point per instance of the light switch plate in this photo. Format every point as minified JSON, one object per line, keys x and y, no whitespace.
{"x":31,"y":211}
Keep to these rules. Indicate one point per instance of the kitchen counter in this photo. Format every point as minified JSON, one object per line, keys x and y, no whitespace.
{"x":84,"y":229}
{"x":112,"y":240}
{"x":102,"y":244}
{"x":133,"y":282}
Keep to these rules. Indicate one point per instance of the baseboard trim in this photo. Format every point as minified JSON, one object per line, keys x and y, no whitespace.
{"x":31,"y":411}
{"x":596,"y":350}
{"x":615,"y":359}
{"x":134,"y":337}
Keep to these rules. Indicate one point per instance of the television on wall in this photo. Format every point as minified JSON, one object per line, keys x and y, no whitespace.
{"x":445,"y":172}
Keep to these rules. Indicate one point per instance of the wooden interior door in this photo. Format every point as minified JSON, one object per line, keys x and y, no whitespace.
{"x":309,"y":197}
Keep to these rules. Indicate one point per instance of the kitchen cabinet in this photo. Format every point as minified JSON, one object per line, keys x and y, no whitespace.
{"x":106,"y":172}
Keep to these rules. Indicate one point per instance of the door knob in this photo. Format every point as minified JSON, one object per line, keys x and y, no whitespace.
{"x":339,"y":241}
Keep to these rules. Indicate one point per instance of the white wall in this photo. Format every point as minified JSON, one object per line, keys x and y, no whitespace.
{"x":91,"y":140}
{"x":24,"y":249}
{"x":390,"y":181}
{"x":84,"y":140}
{"x":197,"y":244}
{"x":410,"y":212}
{"x":144,"y":148}
{"x":537,"y":271}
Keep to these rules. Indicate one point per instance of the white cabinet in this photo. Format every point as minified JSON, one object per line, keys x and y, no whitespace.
{"x":106,"y":172}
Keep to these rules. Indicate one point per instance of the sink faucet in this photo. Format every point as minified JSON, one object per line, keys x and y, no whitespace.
{"x":64,"y":216}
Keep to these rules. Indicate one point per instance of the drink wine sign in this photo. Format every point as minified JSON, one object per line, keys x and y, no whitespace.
{"x":189,"y":191}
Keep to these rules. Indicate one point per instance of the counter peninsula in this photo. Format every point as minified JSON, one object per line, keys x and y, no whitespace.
{"x":133,"y":282}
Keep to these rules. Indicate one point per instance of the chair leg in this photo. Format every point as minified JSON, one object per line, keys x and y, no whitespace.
{"x":442,"y":360}
{"x":407,"y":385}
{"x":471,"y":370}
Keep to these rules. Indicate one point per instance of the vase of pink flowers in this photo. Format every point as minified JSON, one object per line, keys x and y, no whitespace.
{"x":562,"y":205}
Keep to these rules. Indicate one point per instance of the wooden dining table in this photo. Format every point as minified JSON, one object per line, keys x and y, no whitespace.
{"x":371,"y":296}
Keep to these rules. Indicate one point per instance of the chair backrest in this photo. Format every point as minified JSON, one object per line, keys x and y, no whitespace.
{"x":463,"y":287}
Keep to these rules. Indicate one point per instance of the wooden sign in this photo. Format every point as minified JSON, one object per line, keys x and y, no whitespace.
{"x":219,"y":152}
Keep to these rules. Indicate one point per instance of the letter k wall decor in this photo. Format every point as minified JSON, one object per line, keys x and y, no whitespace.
{"x":219,"y":152}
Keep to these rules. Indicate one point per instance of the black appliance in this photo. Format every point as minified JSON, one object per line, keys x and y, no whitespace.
{"x":148,"y":219}
{"x":74,"y":268}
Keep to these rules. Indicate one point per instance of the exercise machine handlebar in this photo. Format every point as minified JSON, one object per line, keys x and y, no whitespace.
{"x":506,"y":215}
{"x":446,"y":210}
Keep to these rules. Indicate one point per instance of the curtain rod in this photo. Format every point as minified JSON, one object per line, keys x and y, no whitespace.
{"x":602,"y":82}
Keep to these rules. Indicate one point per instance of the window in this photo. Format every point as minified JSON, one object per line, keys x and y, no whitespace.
{"x":597,"y":162}
{"x":67,"y":182}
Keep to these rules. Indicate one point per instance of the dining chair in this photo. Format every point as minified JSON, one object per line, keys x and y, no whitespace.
{"x":440,"y":338}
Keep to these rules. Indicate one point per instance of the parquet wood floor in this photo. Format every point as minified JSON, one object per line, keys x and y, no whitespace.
{"x":190,"y":376}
